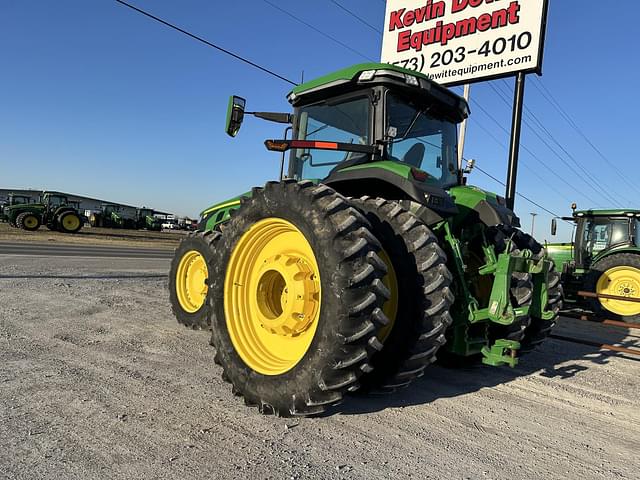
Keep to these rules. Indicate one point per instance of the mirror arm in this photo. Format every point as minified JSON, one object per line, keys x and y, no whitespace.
{"x":273,"y":116}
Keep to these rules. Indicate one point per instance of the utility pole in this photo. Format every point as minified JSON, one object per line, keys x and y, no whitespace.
{"x":514,"y":149}
{"x":533,"y":223}
{"x":463,"y":129}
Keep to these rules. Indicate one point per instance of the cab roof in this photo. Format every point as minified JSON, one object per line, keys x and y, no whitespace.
{"x":350,"y":79}
{"x":606,"y":213}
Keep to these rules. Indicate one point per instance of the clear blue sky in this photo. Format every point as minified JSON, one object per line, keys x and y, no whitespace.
{"x":98,"y":100}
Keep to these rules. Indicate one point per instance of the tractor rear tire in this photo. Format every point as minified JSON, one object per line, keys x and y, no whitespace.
{"x":28,"y":221}
{"x":539,"y":329}
{"x":69,"y":222}
{"x":617,"y":274}
{"x":189,"y":278}
{"x":297,"y":295}
{"x":418,"y":310}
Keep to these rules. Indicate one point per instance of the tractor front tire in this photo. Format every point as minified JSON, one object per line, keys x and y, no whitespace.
{"x":619,"y":275}
{"x":28,"y":221}
{"x":418,"y":310}
{"x":296,"y":295}
{"x":189,"y":278}
{"x":69,"y":222}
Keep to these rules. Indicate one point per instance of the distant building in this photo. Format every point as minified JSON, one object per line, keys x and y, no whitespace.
{"x":87,"y":204}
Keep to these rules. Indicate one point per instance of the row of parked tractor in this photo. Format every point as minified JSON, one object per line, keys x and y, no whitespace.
{"x":58,"y":213}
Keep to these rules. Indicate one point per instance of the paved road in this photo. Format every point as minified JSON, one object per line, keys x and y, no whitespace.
{"x":78,"y":250}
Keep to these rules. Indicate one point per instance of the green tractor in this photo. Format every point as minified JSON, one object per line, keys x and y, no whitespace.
{"x":53,"y":210}
{"x":368,"y":259}
{"x":111,"y":216}
{"x":146,"y":220}
{"x":604,"y":260}
{"x":13,"y":200}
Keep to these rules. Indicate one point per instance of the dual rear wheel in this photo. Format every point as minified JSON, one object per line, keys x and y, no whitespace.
{"x":311,"y":295}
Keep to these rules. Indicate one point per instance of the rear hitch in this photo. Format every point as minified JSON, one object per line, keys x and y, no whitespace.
{"x":502,"y":352}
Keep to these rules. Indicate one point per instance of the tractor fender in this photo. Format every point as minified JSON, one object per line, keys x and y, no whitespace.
{"x":626,"y":248}
{"x":486,"y":207}
{"x":434,"y":203}
{"x":492,"y":214}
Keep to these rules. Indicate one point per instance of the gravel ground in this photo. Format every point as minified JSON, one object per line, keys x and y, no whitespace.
{"x":97,"y":380}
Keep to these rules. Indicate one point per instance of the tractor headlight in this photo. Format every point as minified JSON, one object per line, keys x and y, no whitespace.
{"x":411,"y":80}
{"x":367,"y":75}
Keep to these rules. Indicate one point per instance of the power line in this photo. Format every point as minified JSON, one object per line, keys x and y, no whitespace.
{"x":206,"y":42}
{"x":326,"y":35}
{"x":527,"y":149}
{"x":551,"y":99}
{"x":567,"y":153}
{"x":524,"y":197}
{"x":356,"y":16}
{"x":527,"y":167}
{"x":589,"y":180}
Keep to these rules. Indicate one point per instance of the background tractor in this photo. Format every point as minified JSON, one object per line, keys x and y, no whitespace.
{"x":603,"y":259}
{"x":146,"y":220}
{"x":13,"y":200}
{"x":54,"y":211}
{"x":368,"y":258}
{"x":111,"y":216}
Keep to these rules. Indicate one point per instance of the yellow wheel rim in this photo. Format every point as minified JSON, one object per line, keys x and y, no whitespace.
{"x":272,"y":296}
{"x":623,"y":281}
{"x":390,"y":308}
{"x":30,"y":221}
{"x":70,"y":222}
{"x":191,"y":281}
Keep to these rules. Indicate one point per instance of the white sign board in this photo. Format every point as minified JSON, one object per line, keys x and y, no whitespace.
{"x":464,"y":41}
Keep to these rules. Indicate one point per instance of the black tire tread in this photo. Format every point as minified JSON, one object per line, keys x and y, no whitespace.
{"x":20,"y":221}
{"x":539,"y":329}
{"x":203,"y":242}
{"x":597,"y":269}
{"x":521,"y":289}
{"x":361,"y":271}
{"x":417,"y":343}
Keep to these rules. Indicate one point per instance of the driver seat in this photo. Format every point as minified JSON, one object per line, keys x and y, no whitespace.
{"x":414,"y":155}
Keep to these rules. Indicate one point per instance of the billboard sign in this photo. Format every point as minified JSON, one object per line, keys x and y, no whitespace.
{"x":465,"y":41}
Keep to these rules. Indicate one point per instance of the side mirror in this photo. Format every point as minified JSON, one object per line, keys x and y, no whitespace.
{"x":470,"y":165}
{"x":235,"y":115}
{"x":554,"y":227}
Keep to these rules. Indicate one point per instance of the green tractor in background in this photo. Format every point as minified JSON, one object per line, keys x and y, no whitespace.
{"x":54,"y":211}
{"x":11,"y":201}
{"x":145,"y":219}
{"x":368,"y":259}
{"x":111,"y":216}
{"x":604,"y":259}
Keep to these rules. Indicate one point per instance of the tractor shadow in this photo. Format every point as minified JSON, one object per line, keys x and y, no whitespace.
{"x":555,"y":359}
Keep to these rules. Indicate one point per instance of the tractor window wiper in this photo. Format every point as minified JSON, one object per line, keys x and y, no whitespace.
{"x":413,"y":123}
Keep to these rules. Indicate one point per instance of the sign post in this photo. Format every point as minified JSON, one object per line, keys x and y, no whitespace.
{"x":456,"y":42}
{"x":514,"y":147}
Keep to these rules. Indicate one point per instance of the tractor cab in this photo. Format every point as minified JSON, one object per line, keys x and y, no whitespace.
{"x":144,"y":212}
{"x":18,"y":199}
{"x":375,"y":128}
{"x":405,"y":120}
{"x":601,"y":231}
{"x":53,"y":200}
{"x":109,"y":209}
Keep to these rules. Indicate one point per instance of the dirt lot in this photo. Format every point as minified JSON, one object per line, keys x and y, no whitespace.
{"x":95,"y":236}
{"x":98,"y":381}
